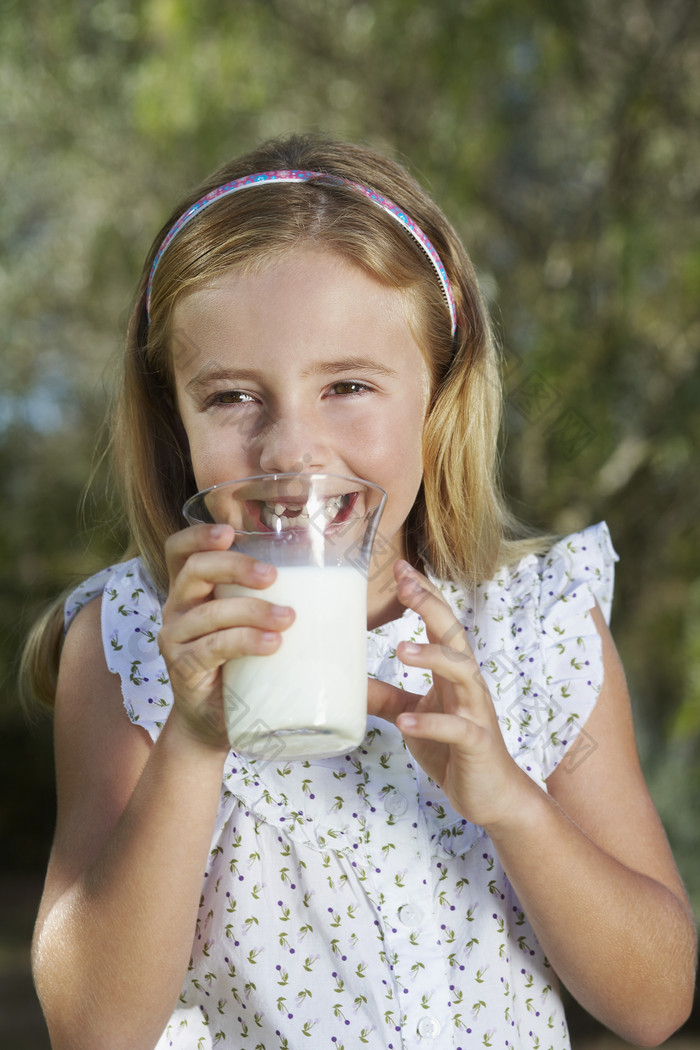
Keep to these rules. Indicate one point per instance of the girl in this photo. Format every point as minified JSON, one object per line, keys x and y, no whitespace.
{"x":310,"y":308}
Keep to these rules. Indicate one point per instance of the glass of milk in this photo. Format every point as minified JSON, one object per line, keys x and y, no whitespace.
{"x":308,"y":699}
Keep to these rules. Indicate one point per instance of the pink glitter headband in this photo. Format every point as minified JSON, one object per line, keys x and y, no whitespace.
{"x":269,"y":177}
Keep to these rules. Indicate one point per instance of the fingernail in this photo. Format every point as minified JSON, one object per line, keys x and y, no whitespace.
{"x":281,"y":611}
{"x":261,"y":568}
{"x":411,"y":648}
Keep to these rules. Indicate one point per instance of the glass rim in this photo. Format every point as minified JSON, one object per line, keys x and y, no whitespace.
{"x":220,"y":486}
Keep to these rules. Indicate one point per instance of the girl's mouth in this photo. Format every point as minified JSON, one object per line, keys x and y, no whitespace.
{"x":284,"y":515}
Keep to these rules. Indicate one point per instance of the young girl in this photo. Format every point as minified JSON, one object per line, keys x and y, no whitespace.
{"x":309,"y":308}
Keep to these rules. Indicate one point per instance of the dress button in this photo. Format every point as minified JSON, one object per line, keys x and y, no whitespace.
{"x":410,"y":915}
{"x":428,"y":1027}
{"x":395,"y":803}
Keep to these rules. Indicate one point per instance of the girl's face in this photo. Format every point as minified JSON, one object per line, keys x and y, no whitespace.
{"x":309,"y":365}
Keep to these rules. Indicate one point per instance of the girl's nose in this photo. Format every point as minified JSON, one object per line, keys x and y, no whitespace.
{"x":291,"y":444}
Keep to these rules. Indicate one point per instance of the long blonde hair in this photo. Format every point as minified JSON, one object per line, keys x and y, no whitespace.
{"x":459,"y":525}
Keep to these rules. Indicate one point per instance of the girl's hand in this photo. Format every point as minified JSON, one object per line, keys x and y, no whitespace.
{"x":200,"y":632}
{"x":453,"y":730}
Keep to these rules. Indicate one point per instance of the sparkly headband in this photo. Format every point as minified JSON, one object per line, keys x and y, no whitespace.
{"x":268,"y":177}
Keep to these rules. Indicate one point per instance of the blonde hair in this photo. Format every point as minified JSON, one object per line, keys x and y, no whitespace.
{"x":459,"y":525}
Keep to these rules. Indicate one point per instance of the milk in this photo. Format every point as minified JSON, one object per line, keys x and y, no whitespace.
{"x":309,"y":698}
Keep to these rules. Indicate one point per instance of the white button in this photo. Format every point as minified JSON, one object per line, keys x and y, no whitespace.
{"x":410,"y":915}
{"x":395,"y":803}
{"x":428,"y":1027}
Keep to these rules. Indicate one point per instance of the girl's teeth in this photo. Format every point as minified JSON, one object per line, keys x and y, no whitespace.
{"x":277,"y":515}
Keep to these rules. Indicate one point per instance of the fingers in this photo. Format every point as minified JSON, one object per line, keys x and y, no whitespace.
{"x":386,"y":701}
{"x":231,"y":627}
{"x":417,"y":592}
{"x":453,"y":730}
{"x":209,"y":630}
{"x":457,"y":679}
{"x":200,"y":557}
{"x":450,"y":664}
{"x":181,"y":545}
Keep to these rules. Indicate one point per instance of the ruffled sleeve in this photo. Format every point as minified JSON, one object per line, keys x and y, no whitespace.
{"x":131,"y":620}
{"x":574,"y":575}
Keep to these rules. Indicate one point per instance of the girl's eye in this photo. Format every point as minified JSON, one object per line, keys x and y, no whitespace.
{"x":345,"y":387}
{"x":230,"y":397}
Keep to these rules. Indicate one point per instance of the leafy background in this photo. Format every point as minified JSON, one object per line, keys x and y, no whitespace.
{"x":561,"y":137}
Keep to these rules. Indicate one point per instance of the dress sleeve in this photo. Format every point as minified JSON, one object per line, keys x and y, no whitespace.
{"x":575,"y":574}
{"x":131,"y":620}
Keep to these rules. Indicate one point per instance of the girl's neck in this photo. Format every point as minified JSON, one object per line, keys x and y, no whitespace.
{"x":393,"y":610}
{"x":383,"y":605}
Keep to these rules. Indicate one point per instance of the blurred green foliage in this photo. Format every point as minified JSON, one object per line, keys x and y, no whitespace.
{"x":561,"y":136}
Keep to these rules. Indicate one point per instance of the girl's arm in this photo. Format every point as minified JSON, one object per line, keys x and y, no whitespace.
{"x":134,"y":825}
{"x":590,"y":862}
{"x":135,"y":820}
{"x":593,"y":870}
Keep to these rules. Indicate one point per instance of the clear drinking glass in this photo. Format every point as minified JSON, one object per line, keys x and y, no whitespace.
{"x":308,"y":699}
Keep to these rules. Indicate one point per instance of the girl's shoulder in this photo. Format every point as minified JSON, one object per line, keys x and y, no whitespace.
{"x":574,"y":571}
{"x":127,"y":580}
{"x":536,"y":643}
{"x":130,"y":620}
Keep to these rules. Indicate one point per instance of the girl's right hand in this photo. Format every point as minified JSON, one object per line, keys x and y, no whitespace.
{"x":200,"y":632}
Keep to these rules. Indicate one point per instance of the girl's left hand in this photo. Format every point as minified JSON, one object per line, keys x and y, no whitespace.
{"x":453,"y":730}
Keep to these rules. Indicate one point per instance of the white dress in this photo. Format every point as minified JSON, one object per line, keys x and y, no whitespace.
{"x":345,"y":904}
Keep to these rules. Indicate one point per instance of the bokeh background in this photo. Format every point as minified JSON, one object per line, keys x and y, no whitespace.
{"x":560,"y":136}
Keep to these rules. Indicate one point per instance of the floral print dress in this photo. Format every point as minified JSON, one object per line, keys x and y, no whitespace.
{"x":345,"y":904}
